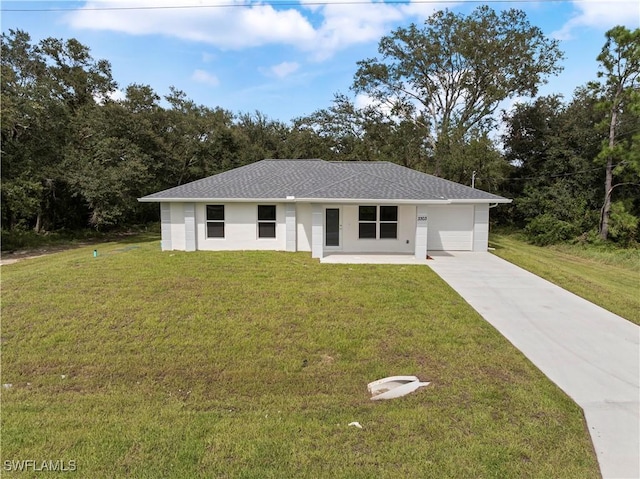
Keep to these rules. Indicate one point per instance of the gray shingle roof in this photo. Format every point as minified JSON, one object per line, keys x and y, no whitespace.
{"x":319,"y":179}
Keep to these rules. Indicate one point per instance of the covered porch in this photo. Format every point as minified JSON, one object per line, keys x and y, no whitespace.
{"x":394,"y":234}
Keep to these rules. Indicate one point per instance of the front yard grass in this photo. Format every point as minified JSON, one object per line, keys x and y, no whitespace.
{"x":606,"y":276}
{"x":141,"y":363}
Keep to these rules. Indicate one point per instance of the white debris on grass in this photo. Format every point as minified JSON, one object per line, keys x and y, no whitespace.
{"x":394,"y":387}
{"x":356,"y":424}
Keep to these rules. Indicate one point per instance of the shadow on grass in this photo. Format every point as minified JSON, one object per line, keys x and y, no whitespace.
{"x":59,"y":244}
{"x":496,"y":243}
{"x":500,"y":237}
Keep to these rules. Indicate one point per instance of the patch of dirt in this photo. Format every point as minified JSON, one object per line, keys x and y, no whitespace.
{"x":326,"y":359}
{"x":11,"y":257}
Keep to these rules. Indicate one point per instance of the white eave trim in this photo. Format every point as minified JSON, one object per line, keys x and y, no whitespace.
{"x":493,"y":201}
{"x":372,"y":201}
{"x":290,"y":199}
{"x":298,"y":200}
{"x":215,"y":200}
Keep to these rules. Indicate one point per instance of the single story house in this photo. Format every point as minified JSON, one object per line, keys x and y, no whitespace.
{"x":325,"y":207}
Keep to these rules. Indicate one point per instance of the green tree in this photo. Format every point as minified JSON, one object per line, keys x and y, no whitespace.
{"x":198,"y":140}
{"x":369,"y":134}
{"x":342,"y":128}
{"x":46,"y":88}
{"x":451,"y":75}
{"x":365,"y":134}
{"x":22,"y":94}
{"x":303,"y":142}
{"x":106,"y":164}
{"x":476,"y":161}
{"x":260,"y":137}
{"x":620,"y":69}
{"x":550,"y":146}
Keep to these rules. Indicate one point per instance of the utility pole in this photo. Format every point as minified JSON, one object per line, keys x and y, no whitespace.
{"x":473,"y":179}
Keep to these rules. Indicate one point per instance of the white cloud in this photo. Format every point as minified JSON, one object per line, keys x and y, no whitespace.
{"x":114,"y":95}
{"x":117,"y":95}
{"x":224,"y":27}
{"x":202,"y":76}
{"x":601,"y":14}
{"x":362,"y":101}
{"x":284,"y":69}
{"x":319,"y":29}
{"x":424,"y":10}
{"x":345,"y":25}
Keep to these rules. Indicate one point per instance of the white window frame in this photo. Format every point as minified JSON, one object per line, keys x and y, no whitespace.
{"x":387,"y":222}
{"x":367,"y":222}
{"x":215,"y":221}
{"x":268,"y":221}
{"x":377,"y":222}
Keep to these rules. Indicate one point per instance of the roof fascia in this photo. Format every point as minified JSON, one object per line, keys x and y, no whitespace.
{"x":217,"y":200}
{"x":358,"y":201}
{"x":372,"y":201}
{"x":483,"y":201}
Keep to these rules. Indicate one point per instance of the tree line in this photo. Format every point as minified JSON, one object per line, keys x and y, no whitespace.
{"x":74,"y":156}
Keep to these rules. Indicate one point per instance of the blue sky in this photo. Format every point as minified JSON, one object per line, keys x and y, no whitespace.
{"x":283,"y":58}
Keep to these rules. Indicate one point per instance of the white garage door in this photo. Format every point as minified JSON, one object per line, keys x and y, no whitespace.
{"x":450,"y":228}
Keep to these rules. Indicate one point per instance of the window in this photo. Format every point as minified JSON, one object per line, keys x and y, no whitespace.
{"x":266,"y":221}
{"x":388,"y":222}
{"x":215,"y":221}
{"x":373,"y":225}
{"x":367,"y":218}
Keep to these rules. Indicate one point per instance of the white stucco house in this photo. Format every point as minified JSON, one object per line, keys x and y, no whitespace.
{"x":325,"y":207}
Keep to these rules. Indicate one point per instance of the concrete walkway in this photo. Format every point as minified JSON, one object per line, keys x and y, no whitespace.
{"x":372,"y":258}
{"x":591,"y":354}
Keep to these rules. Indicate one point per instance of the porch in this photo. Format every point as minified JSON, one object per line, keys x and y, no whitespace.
{"x":372,"y":258}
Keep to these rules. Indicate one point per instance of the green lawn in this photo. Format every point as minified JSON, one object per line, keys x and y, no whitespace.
{"x":140,"y":363}
{"x":609,"y":277}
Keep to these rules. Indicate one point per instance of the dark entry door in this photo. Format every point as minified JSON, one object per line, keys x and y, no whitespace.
{"x":332,"y":227}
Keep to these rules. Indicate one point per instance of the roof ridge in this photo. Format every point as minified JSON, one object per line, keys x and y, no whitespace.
{"x":292,"y":159}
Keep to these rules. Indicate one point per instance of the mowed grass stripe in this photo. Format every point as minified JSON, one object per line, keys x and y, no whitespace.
{"x":252,"y":364}
{"x":606,"y":276}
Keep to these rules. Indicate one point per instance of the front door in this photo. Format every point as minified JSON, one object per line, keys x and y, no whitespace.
{"x":332,"y":228}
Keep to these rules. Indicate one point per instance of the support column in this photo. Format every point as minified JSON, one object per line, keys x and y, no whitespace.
{"x":290,"y":226}
{"x":189,"y":227}
{"x":421,"y":233}
{"x":165,"y":226}
{"x":480,"y":227}
{"x":317,"y":231}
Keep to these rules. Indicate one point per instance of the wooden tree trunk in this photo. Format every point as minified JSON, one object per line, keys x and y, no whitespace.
{"x":38,"y":227}
{"x":606,"y":207}
{"x":608,"y":181}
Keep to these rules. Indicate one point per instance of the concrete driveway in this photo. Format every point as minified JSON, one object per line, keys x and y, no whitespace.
{"x":591,"y":354}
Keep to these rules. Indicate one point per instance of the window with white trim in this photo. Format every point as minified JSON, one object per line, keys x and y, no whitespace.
{"x":215,"y":221}
{"x":388,"y":222}
{"x":378,"y":222}
{"x":367,"y":222}
{"x":266,"y":221}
